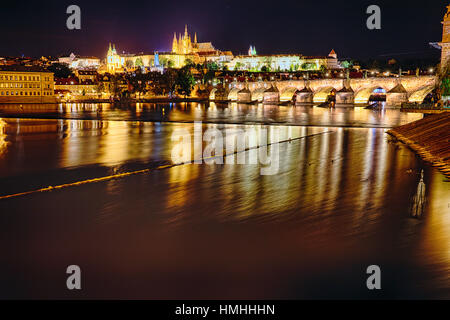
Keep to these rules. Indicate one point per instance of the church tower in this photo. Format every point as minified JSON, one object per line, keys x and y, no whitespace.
{"x":184,"y":44}
{"x":175,"y":43}
{"x":110,"y":59}
{"x":445,"y":44}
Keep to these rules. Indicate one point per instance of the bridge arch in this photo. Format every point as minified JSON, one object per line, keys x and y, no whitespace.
{"x":420,"y":95}
{"x":288,"y":94}
{"x":322,"y":94}
{"x":233,"y":94}
{"x":258,"y":94}
{"x":212,"y":94}
{"x":363,"y":95}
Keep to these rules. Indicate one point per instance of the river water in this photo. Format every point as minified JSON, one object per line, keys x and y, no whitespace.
{"x":344,"y":197}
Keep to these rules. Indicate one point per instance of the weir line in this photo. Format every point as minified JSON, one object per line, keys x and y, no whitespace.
{"x":130,"y":173}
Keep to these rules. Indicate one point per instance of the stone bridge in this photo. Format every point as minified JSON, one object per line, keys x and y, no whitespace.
{"x":343,"y":91}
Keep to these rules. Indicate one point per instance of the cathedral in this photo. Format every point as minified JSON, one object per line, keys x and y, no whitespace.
{"x":114,"y":62}
{"x":185,"y":45}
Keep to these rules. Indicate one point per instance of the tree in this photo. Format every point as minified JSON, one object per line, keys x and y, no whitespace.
{"x":212,"y":66}
{"x":442,"y":86}
{"x":308,"y":66}
{"x":100,"y":88}
{"x":138,"y":82}
{"x":166,"y":83}
{"x":346,"y":64}
{"x":268,"y":63}
{"x":184,"y":81}
{"x":129,"y":64}
{"x":163,"y":61}
{"x":209,"y":76}
{"x":189,"y":62}
{"x":61,"y":70}
{"x":114,"y":88}
{"x":139,"y":63}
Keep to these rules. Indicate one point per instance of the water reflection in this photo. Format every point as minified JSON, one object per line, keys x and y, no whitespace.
{"x":418,"y":205}
{"x":340,"y":201}
{"x":216,"y":113}
{"x":3,"y":143}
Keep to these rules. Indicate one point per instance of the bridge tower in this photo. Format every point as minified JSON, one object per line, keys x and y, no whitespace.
{"x":445,"y":44}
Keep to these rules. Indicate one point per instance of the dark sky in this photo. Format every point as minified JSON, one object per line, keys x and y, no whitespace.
{"x":310,"y":27}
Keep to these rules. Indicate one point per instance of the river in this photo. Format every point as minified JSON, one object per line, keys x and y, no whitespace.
{"x":343,"y":198}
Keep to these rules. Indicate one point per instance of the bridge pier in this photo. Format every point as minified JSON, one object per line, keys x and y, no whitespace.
{"x":396,"y":96}
{"x":244,"y":95}
{"x":396,"y":99}
{"x":304,"y":96}
{"x":271,"y":96}
{"x":346,"y":96}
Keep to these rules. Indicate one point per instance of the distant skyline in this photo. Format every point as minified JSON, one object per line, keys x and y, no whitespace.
{"x":308,"y":27}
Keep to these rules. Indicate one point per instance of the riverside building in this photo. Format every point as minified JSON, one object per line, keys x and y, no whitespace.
{"x":19,"y":84}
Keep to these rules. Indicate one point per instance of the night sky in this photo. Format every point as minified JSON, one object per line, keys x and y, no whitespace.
{"x":310,"y":27}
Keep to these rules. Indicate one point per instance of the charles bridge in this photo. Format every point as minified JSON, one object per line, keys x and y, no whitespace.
{"x":345,"y":91}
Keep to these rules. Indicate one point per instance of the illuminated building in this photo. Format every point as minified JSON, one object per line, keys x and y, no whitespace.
{"x":184,"y":45}
{"x":184,"y":50}
{"x":114,"y":62}
{"x":78,"y":62}
{"x":282,"y":62}
{"x":19,"y":84}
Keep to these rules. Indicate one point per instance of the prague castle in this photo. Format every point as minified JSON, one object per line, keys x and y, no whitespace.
{"x":186,"y":49}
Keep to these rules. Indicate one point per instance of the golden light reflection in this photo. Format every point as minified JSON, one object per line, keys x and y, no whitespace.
{"x":3,"y":142}
{"x":434,"y":247}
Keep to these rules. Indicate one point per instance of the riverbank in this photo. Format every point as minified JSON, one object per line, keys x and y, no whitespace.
{"x":429,"y":138}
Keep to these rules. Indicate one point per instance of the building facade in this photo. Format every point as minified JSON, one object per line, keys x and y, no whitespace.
{"x":26,"y":85}
{"x":282,"y":62}
{"x":79,"y":62}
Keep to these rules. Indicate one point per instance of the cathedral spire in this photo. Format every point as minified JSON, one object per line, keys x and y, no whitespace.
{"x":174,"y":43}
{"x":195,"y":37}
{"x":185,"y":31}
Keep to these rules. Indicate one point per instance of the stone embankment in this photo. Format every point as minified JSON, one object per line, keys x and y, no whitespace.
{"x":429,"y":138}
